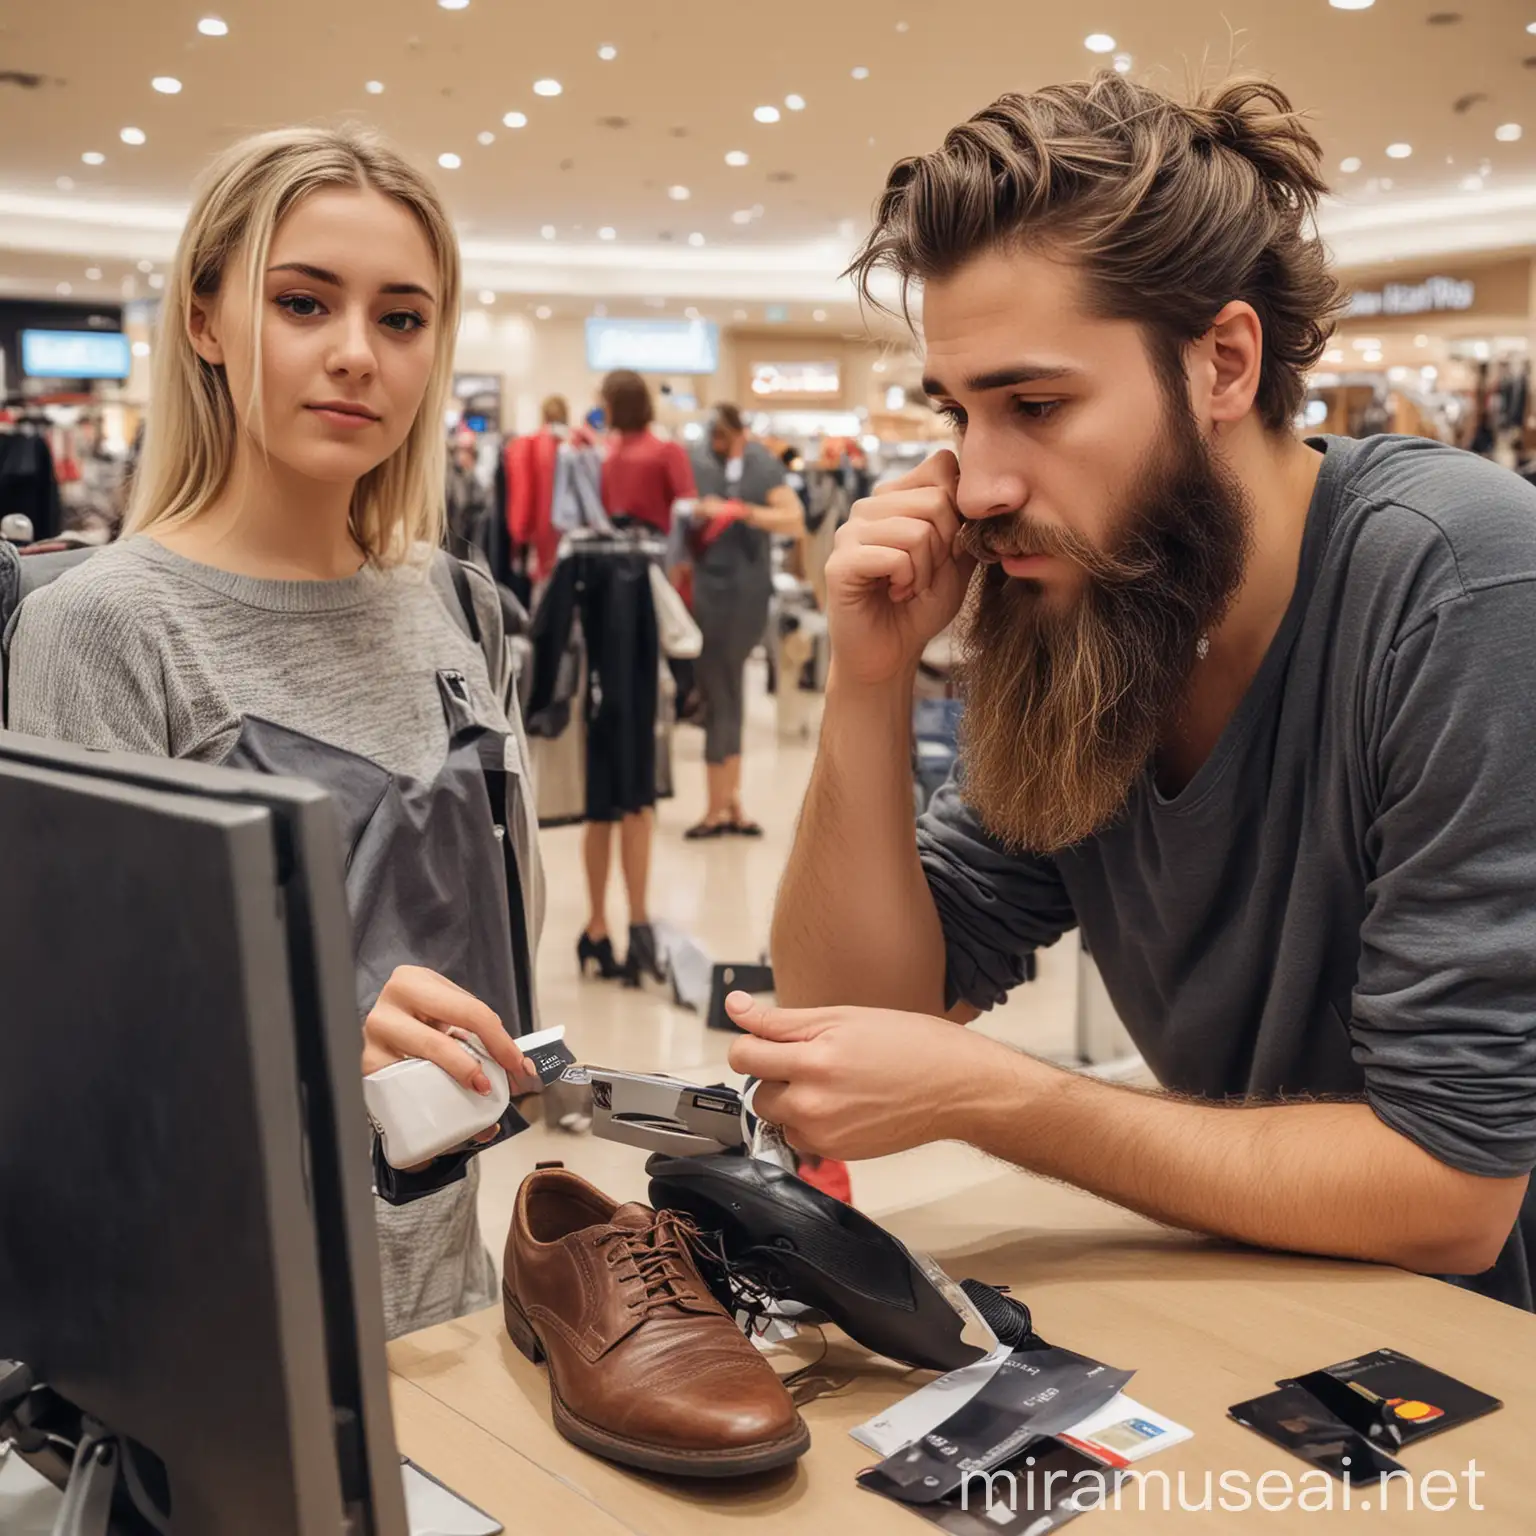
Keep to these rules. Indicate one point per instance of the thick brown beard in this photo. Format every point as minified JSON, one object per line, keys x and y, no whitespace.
{"x":1064,"y":708}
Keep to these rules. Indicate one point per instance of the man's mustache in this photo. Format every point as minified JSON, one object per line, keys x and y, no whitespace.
{"x":1018,"y":536}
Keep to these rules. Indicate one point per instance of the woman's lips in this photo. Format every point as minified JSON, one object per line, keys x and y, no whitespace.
{"x":340,"y":418}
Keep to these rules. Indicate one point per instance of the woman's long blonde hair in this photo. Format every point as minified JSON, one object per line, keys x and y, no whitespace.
{"x":189,"y":445}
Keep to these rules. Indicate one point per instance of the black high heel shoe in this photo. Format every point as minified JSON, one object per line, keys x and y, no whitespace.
{"x":642,"y":959}
{"x":601,"y":951}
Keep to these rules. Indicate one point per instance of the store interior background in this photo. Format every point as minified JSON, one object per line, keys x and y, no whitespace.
{"x":717,"y":164}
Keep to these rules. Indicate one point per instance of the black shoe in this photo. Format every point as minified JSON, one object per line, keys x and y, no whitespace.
{"x":601,"y":951}
{"x":790,"y":1241}
{"x":642,"y":959}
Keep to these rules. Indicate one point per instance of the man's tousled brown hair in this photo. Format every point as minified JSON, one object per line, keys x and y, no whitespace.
{"x":1171,"y":211}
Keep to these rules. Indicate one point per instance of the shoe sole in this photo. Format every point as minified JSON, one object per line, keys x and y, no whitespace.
{"x":767,"y":1457}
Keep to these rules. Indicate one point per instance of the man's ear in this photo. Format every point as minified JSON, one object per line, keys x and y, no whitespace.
{"x":203,"y":331}
{"x":1234,"y":354}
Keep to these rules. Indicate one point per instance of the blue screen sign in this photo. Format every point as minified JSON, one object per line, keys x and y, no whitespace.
{"x":75,"y":355}
{"x":653,"y":346}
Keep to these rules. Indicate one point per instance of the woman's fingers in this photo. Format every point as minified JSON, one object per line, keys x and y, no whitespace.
{"x":427,"y":995}
{"x":394,"y":1033}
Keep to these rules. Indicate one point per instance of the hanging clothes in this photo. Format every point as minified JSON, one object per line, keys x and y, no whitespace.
{"x":603,"y":587}
{"x":528,"y":465}
{"x":28,"y":482}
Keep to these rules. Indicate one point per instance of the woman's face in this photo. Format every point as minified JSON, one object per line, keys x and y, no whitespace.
{"x":350,"y":301}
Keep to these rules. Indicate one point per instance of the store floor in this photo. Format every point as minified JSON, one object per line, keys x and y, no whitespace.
{"x":721,"y":892}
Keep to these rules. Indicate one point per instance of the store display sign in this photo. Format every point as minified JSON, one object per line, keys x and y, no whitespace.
{"x":799,"y":378}
{"x":653,"y":346}
{"x":1432,"y":295}
{"x":75,"y":355}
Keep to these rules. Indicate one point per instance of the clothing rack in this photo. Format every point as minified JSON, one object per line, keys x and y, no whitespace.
{"x":588,"y":542}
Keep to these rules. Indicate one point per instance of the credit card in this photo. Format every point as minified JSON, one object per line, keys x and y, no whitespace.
{"x":1416,"y":1399}
{"x":1294,"y":1419}
{"x":547,"y":1053}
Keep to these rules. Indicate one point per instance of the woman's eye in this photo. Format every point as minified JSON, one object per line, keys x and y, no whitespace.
{"x":1036,"y":410}
{"x":404,"y":321}
{"x":303,"y":305}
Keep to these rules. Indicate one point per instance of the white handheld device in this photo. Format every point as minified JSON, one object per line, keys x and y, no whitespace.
{"x":420,"y":1112}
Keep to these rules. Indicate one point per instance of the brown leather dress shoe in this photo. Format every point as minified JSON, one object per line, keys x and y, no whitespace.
{"x":645,"y":1366}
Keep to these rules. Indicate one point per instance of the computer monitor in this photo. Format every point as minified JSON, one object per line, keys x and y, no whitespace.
{"x":187,"y":1247}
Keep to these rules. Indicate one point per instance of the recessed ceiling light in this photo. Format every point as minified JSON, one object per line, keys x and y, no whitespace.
{"x":1099,"y":42}
{"x":65,"y":183}
{"x":1350,"y":166}
{"x":691,"y":313}
{"x":487,"y":296}
{"x":157,"y":280}
{"x":860,"y":72}
{"x":1351,"y":5}
{"x":1370,"y":357}
{"x":1387,"y":183}
{"x":679,"y":194}
{"x":1421,"y":341}
{"x":485,"y":138}
{"x":902,"y":26}
{"x":374,"y":87}
{"x":607,"y":232}
{"x":1399,"y":151}
{"x":795,"y":103}
{"x":141,"y":349}
{"x":63,"y":290}
{"x":766,"y":114}
{"x":543,"y":312}
{"x":548,"y":231}
{"x":449,"y":161}
{"x":738,"y":314}
{"x":94,"y":157}
{"x":515,"y":120}
{"x":695,"y":238}
{"x":212,"y":26}
{"x":738,"y":157}
{"x":878,"y":366}
{"x":1124,"y":63}
{"x":547,"y":87}
{"x":93,"y":274}
{"x":818,"y":315}
{"x":133,"y":136}
{"x":742,"y":216}
{"x":454,"y":5}
{"x":607,"y":53}
{"x":167,"y":85}
{"x":1508,"y":133}
{"x":146,"y":266}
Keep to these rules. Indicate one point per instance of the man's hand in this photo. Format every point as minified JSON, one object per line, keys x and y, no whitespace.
{"x":411,"y":1017}
{"x":853,"y":1083}
{"x":895,"y":579}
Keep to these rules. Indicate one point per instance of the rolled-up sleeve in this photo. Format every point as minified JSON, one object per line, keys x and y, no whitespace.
{"x":996,"y":907}
{"x":1444,"y":1008}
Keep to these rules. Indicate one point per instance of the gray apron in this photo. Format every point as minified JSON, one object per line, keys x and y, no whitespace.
{"x":432,"y":871}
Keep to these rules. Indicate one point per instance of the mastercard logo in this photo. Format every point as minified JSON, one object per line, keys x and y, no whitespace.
{"x":1413,"y":1410}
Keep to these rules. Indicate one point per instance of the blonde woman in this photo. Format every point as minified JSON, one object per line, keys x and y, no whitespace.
{"x":278,"y":603}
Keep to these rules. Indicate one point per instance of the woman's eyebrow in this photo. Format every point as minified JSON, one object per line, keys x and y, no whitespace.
{"x":330,"y":279}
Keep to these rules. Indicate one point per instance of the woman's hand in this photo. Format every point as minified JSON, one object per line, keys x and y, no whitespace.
{"x":412,"y":1016}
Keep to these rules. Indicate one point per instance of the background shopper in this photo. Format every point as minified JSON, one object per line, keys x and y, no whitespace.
{"x":744,"y":502}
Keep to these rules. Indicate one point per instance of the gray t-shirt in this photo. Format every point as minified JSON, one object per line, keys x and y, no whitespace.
{"x":142,"y":650}
{"x":737,"y":569}
{"x":1343,"y":899}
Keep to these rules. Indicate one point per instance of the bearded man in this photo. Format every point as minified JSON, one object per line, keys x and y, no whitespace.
{"x":1256,"y":714}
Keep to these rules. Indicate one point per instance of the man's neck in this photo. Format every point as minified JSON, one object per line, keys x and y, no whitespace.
{"x":1279,"y":474}
{"x":270,"y":523}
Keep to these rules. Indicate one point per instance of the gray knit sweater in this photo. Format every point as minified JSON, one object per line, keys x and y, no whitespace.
{"x":140,"y":649}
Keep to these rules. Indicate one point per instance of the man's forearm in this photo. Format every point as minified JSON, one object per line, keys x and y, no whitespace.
{"x":1325,"y":1178}
{"x":855,"y":922}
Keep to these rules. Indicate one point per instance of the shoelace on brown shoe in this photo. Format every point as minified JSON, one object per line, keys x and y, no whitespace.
{"x":659,"y":1253}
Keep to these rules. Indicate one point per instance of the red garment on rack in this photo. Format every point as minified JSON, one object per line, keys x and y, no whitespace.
{"x":530,"y":467}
